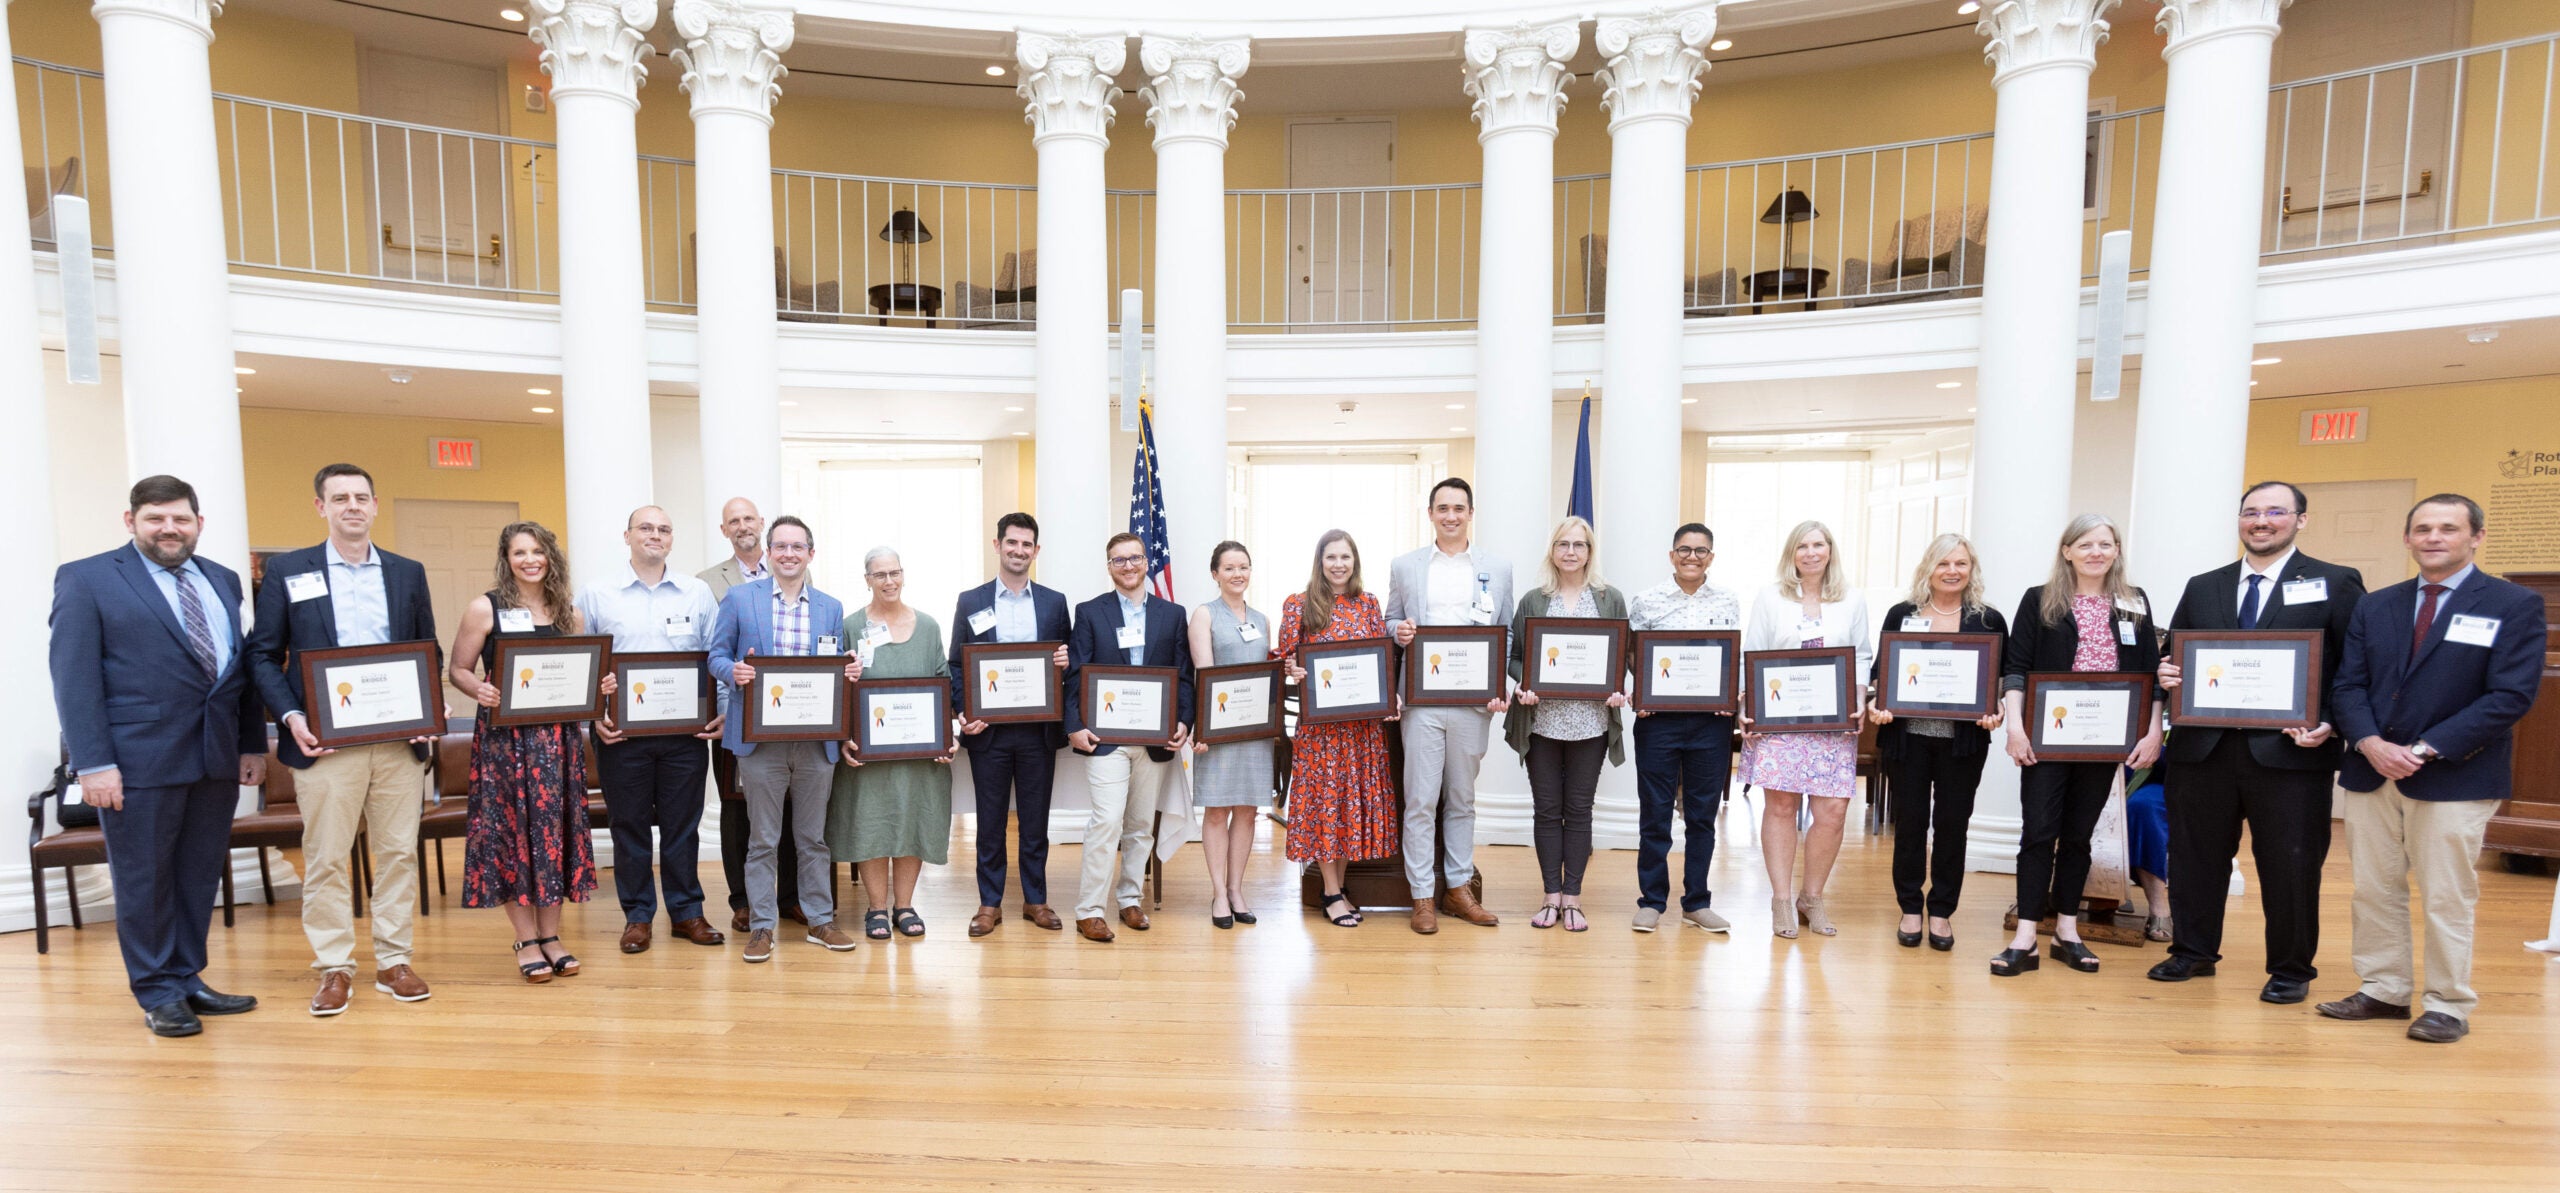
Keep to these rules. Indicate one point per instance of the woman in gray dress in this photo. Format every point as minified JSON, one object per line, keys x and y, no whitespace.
{"x":1230,"y":783}
{"x":890,"y":818}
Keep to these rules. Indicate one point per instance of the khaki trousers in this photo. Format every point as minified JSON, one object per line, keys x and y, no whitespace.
{"x":378,"y":789}
{"x":1120,"y":832}
{"x":2391,"y":837}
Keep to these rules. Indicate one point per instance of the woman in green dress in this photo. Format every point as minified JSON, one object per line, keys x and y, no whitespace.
{"x":890,"y":818}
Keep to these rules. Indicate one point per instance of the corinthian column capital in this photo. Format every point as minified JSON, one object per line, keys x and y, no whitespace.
{"x":1191,"y":85}
{"x":1654,"y":63}
{"x":593,"y":47}
{"x":1066,"y":83}
{"x":2186,"y":22}
{"x":2031,"y":34}
{"x":732,"y":55}
{"x":1516,"y":75}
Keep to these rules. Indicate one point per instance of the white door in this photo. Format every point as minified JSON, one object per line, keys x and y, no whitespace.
{"x":2357,"y":524}
{"x":457,"y":542}
{"x":2363,"y":158}
{"x":438,"y":195}
{"x":1340,"y":253}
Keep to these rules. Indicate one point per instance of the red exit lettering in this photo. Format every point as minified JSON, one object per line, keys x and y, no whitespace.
{"x":2334,"y":426}
{"x":456,"y":453}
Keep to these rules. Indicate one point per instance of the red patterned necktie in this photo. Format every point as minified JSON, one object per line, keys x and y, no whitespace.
{"x":2426,"y":617}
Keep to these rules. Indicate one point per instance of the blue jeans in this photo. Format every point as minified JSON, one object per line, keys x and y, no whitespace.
{"x":1683,"y":757}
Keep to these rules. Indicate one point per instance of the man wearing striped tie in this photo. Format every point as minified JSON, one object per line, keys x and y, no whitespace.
{"x":164,"y":729}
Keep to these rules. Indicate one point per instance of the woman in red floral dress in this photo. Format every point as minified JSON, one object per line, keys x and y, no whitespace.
{"x":1342,"y":801}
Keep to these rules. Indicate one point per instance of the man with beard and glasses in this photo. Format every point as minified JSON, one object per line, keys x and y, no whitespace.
{"x":743,"y":525}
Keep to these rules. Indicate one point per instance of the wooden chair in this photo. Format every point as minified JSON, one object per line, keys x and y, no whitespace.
{"x":1871,"y":770}
{"x":277,"y":824}
{"x":68,"y":849}
{"x":450,"y":772}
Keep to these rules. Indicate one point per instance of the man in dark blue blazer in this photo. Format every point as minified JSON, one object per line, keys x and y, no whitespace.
{"x":151,"y":683}
{"x":1011,"y":764}
{"x":346,"y":592}
{"x":2276,"y":781}
{"x":2438,"y":671}
{"x":1124,"y":627}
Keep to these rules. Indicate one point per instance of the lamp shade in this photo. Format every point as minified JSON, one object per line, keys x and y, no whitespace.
{"x":1789,"y":208}
{"x":904,"y":228}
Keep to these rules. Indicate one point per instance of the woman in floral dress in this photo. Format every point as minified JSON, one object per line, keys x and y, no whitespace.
{"x":1342,"y":802}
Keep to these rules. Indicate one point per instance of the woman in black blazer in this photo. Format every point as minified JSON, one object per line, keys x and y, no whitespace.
{"x":1934,"y":764}
{"x":2086,"y":617}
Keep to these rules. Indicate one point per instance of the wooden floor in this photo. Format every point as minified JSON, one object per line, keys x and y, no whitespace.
{"x":1292,"y":1055}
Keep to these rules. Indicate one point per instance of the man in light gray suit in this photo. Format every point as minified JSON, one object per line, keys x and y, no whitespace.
{"x":1450,"y":582}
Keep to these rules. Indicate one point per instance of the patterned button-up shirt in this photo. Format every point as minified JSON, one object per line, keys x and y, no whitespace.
{"x":1665,"y":607}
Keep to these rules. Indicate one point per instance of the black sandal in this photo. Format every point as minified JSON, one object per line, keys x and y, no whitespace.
{"x":1348,"y":919}
{"x":2076,"y":955}
{"x":564,"y":964}
{"x":535,"y":972}
{"x":910,"y":925}
{"x":875,"y":924}
{"x":2012,"y":962}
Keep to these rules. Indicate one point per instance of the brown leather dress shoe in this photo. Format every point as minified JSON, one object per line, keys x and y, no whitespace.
{"x":331,"y":998}
{"x":738,"y":920}
{"x":1134,"y":918}
{"x":1461,"y":902}
{"x":2436,"y":1027}
{"x":1040,"y":915}
{"x":985,"y":921}
{"x":2361,"y":1005}
{"x":401,"y":983}
{"x":1094,"y":929}
{"x":792,"y":912}
{"x":635,"y":937}
{"x":699,"y":931}
{"x":1426,"y":919}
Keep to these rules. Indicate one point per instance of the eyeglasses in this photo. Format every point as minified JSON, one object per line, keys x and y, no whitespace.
{"x":1572,"y":546}
{"x":647,"y":528}
{"x":885,"y":577}
{"x":2269,"y":514}
{"x":1122,"y":561}
{"x":1693,"y":552}
{"x":787,"y":548}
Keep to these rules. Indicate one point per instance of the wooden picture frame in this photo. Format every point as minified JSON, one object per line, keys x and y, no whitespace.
{"x":2091,"y":692}
{"x":758,"y":700}
{"x":1004,"y":658}
{"x":534,"y":668}
{"x":1563,"y":642}
{"x":2211,"y":662}
{"x":629,"y":696}
{"x":1784,"y":669}
{"x":876,"y":701}
{"x":1916,"y":665}
{"x":1238,"y":682}
{"x":1097,"y":684}
{"x":388,"y":692}
{"x":1672,"y":658}
{"x":1435,"y":650}
{"x":1377,"y":692}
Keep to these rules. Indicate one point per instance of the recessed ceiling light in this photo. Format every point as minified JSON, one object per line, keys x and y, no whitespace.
{"x":398,"y":376}
{"x":237,"y":390}
{"x":1951,"y":385}
{"x":1968,"y":409}
{"x":2253,"y":384}
{"x":1021,"y":434}
{"x":1720,"y":44}
{"x":1455,"y":406}
{"x":1235,"y":409}
{"x":2268,"y":360}
{"x":1968,"y":8}
{"x":2483,"y":335}
{"x":1457,"y":430}
{"x":509,"y":14}
{"x":1013,"y":409}
{"x":244,"y":371}
{"x":1688,"y":401}
{"x":995,"y":72}
{"x":542,"y":410}
{"x":539,"y":393}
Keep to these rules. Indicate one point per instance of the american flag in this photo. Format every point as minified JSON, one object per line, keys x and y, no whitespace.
{"x":1146,"y":505}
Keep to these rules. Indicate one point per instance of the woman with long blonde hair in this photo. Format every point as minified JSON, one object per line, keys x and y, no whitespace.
{"x":1811,"y":604}
{"x":1934,"y":763}
{"x":1562,"y":742}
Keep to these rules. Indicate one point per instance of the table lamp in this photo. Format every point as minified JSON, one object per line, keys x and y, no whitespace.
{"x":906,"y":231}
{"x":1787,"y":211}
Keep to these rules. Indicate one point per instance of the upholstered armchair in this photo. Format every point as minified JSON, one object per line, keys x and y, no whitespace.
{"x":1937,"y":255}
{"x":42,"y":186}
{"x":1012,"y":305}
{"x":1700,"y":294}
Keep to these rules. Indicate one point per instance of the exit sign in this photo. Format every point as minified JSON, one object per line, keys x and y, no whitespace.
{"x":453,"y":453}
{"x":2346,"y":425}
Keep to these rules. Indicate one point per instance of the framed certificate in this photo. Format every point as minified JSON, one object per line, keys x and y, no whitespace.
{"x":358,"y":695}
{"x":1128,"y":706}
{"x":1951,"y":676}
{"x":1346,"y":681}
{"x":2246,"y":679}
{"x":1237,"y":703}
{"x":1809,"y":690}
{"x":1457,"y":665}
{"x":544,"y":681}
{"x":901,"y":718}
{"x":1011,"y":681}
{"x":1576,"y":658}
{"x":796,"y":698}
{"x":659,"y":693}
{"x":2086,"y":716}
{"x":1688,"y":670}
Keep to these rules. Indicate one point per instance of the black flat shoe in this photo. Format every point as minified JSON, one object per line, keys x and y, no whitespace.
{"x":1908,"y":940}
{"x":2074,"y":954}
{"x":2179,"y":969}
{"x":215,"y":1002}
{"x":1222,"y":921}
{"x":172,"y":1019}
{"x":1944,"y":944}
{"x":1246,"y":918}
{"x":2012,"y":962}
{"x":2283,"y":991}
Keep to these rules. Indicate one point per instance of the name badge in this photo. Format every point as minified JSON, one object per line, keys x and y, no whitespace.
{"x":865,"y":651}
{"x":2134,"y":605}
{"x":874,"y":633}
{"x":1808,"y":629}
{"x":681,"y":623}
{"x":2124,"y":633}
{"x":305,"y":586}
{"x":1480,"y":616}
{"x":515,"y":621}
{"x":2306,"y":592}
{"x":828,"y":644}
{"x":1133,"y":637}
{"x":1916,"y":624}
{"x":1484,"y":591}
{"x":982,"y":621}
{"x":2472,"y":631}
{"x":1249,"y":632}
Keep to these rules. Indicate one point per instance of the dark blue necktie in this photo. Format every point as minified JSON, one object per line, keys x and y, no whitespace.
{"x":2249,"y":605}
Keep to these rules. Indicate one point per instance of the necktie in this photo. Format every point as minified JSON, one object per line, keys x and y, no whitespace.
{"x":2249,"y":604}
{"x":199,"y":631}
{"x":2426,"y":617}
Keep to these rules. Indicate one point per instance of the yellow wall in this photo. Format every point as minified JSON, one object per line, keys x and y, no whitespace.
{"x":519,"y":462}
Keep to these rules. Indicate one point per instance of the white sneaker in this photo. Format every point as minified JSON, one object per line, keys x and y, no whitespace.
{"x":1646,"y":918}
{"x":1703,"y":918}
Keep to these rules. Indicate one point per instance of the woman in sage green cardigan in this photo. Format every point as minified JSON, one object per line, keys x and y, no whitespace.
{"x":1560,"y":741}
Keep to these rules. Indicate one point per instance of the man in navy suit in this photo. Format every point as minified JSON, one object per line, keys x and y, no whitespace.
{"x":1012,"y":763}
{"x":1128,"y":628}
{"x":2274,"y":780}
{"x":164,"y":730}
{"x":346,"y":592}
{"x":2438,"y":671}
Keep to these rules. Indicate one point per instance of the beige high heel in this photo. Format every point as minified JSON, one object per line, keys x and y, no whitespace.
{"x":1782,"y":916}
{"x":1810,"y":908}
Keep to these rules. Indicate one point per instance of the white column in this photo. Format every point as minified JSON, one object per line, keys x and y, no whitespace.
{"x":26,"y":488}
{"x":2042,"y":52}
{"x":1067,"y":89}
{"x":1647,"y":87}
{"x":592,"y":51}
{"x":173,"y":292}
{"x":1191,"y":100}
{"x":731,"y":58}
{"x":1516,"y":76}
{"x":2191,"y":431}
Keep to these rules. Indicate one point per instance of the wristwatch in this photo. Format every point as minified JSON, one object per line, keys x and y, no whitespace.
{"x":2425,"y":751}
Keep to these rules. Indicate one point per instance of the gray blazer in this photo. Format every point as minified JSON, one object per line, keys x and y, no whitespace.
{"x":723,"y":576}
{"x":1409,"y":581}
